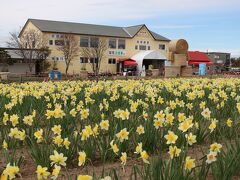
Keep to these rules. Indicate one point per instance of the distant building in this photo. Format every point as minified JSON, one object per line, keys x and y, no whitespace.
{"x":195,"y":58}
{"x":20,"y":65}
{"x":221,"y":60}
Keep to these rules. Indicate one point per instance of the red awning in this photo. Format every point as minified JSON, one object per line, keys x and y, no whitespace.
{"x":129,"y":62}
{"x":196,"y":57}
{"x":199,"y":62}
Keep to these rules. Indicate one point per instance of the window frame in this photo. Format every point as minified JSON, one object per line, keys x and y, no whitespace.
{"x":119,"y":44}
{"x":162,"y":46}
{"x":91,"y":60}
{"x":112,"y":40}
{"x":57,"y":44}
{"x":84,"y":37}
{"x":50,"y":43}
{"x":83,"y":60}
{"x":91,"y":42}
{"x":142,"y":49}
{"x":112,"y":60}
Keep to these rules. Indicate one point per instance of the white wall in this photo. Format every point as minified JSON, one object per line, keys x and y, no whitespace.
{"x":18,"y":68}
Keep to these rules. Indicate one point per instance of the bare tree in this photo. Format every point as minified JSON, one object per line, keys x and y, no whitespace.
{"x":29,"y":45}
{"x":69,"y":46}
{"x":96,"y":53}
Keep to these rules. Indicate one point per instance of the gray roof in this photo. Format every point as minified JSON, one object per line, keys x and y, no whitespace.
{"x":15,"y":53}
{"x":90,"y":29}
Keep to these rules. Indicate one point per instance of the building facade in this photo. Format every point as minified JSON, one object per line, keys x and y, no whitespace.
{"x":123,"y":42}
{"x":221,"y":60}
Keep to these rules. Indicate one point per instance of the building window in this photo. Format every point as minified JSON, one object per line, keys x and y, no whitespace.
{"x":216,"y":56}
{"x":121,"y":44}
{"x":84,"y":42}
{"x":136,"y":47}
{"x":149,"y":48}
{"x":62,"y":58}
{"x":53,"y":58}
{"x":57,"y":58}
{"x":142,"y":47}
{"x":83,"y":60}
{"x":59,"y":42}
{"x":111,"y":61}
{"x":162,"y":46}
{"x":93,"y":60}
{"x":50,"y":42}
{"x":53,"y":36}
{"x":112,"y":43}
{"x":94,"y":42}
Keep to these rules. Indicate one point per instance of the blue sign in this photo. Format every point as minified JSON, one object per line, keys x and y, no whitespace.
{"x":55,"y":75}
{"x":202,"y":69}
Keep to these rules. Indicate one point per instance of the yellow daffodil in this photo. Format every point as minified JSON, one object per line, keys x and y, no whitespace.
{"x":123,"y":159}
{"x":140,"y":130}
{"x":5,"y":145}
{"x":14,"y":119}
{"x":58,"y":140}
{"x":104,"y":124}
{"x":39,"y":135}
{"x":123,"y":135}
{"x":215,"y":147}
{"x":191,"y":139}
{"x":84,"y":177}
{"x":229,"y":122}
{"x":10,"y":171}
{"x":58,"y":158}
{"x":55,"y":172}
{"x":66,"y":143}
{"x":189,"y":163}
{"x":114,"y":147}
{"x":42,"y":172}
{"x":211,"y":157}
{"x":171,"y":137}
{"x":145,"y":157}
{"x":81,"y":158}
{"x":174,"y":151}
{"x":57,"y":129}
{"x":138,"y":148}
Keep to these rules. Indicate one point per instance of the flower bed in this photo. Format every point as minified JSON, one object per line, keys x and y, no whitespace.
{"x":159,"y":123}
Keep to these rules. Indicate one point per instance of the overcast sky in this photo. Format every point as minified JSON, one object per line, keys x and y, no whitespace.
{"x":212,"y":25}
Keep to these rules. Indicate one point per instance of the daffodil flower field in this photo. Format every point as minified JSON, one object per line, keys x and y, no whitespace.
{"x":171,"y":129}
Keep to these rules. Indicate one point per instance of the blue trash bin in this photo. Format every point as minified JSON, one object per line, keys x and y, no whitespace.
{"x":59,"y":75}
{"x":51,"y":75}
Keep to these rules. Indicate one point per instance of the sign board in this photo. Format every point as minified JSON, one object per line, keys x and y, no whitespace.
{"x":202,"y":69}
{"x":116,"y":53}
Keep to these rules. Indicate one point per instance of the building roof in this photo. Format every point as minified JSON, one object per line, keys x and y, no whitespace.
{"x":90,"y":29}
{"x":198,"y":56}
{"x":15,"y":53}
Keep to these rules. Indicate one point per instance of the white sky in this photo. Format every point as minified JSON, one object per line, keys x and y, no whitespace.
{"x":14,"y":13}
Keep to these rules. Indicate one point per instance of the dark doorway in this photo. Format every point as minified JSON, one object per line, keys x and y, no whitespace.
{"x":155,"y":64}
